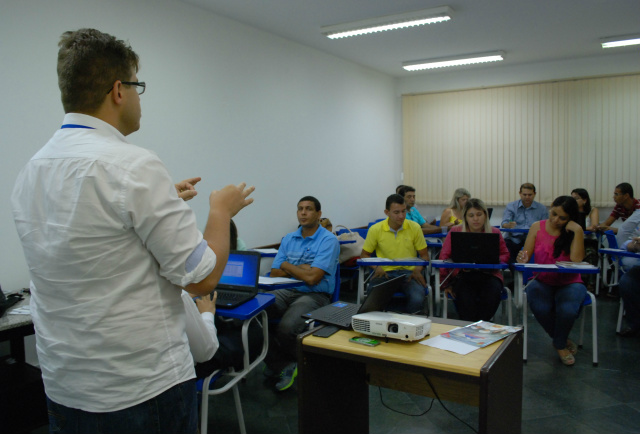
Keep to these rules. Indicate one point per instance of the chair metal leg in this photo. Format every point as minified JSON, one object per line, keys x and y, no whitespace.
{"x":620,"y":315}
{"x":524,"y":327}
{"x":236,"y":398}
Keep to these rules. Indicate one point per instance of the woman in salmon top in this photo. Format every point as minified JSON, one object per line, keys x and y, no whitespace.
{"x":556,"y":298}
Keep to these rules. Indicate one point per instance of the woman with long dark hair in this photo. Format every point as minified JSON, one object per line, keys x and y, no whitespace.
{"x":556,"y":298}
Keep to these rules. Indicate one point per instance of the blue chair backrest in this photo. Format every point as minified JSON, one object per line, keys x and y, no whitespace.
{"x":611,"y":239}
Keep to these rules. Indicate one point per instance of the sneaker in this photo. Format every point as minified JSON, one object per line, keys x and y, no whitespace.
{"x":287,"y":376}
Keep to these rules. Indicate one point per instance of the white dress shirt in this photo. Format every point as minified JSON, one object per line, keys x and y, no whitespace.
{"x":108,"y":244}
{"x":201,"y":331}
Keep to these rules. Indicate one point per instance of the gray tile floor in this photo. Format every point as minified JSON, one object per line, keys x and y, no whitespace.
{"x":556,"y":399}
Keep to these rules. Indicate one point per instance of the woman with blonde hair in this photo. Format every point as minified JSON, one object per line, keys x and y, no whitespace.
{"x":476,"y":293}
{"x":452,"y":216}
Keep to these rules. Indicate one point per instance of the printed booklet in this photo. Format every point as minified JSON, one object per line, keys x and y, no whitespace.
{"x":481,"y":333}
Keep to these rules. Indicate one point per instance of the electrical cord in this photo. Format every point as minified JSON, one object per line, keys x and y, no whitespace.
{"x":443,"y":406}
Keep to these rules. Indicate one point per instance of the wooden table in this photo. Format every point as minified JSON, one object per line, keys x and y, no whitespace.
{"x":334,"y":376}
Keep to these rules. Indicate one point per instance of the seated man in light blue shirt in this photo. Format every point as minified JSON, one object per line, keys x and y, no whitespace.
{"x":409,"y":194}
{"x":521,"y":214}
{"x":309,"y":254}
{"x":630,"y":283}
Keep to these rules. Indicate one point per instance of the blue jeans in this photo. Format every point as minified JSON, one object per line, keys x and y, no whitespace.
{"x":630,"y":293}
{"x":556,"y":308}
{"x":413,"y":291}
{"x":173,"y":411}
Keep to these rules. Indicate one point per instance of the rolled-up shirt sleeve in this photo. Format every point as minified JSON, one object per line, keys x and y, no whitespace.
{"x":165,"y":224}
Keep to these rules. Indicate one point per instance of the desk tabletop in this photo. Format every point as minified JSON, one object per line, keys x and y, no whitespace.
{"x":249,"y":309}
{"x":409,"y":353}
{"x":9,"y":321}
{"x":445,"y":264}
{"x":619,"y":252}
{"x":552,"y":268}
{"x":392,"y":263}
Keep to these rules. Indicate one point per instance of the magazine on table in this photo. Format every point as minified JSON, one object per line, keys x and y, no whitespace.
{"x":481,"y":333}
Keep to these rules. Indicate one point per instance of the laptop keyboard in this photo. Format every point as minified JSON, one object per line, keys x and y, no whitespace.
{"x":344,"y":314}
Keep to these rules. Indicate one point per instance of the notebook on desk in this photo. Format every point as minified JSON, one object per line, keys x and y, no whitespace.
{"x":239,"y":281}
{"x":339,"y":313}
{"x":475,"y":247}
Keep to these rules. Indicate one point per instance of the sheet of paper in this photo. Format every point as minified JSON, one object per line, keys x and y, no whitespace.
{"x":23,"y":310}
{"x":449,"y":345}
{"x":540,"y":265}
{"x":264,"y":280}
{"x":266,"y":250}
{"x":375,"y":260}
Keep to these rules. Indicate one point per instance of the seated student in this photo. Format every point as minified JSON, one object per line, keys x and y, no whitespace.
{"x":477,"y":293}
{"x":235,"y":242}
{"x":630,"y":287}
{"x":556,"y":298}
{"x":452,"y":215}
{"x":216,"y":343}
{"x":395,"y":238}
{"x":521,"y":214}
{"x":626,"y":204}
{"x":409,"y":194}
{"x":588,"y":218}
{"x":309,"y":254}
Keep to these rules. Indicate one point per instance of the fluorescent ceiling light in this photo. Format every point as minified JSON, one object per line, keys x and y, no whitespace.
{"x":620,"y":41}
{"x":389,"y":22}
{"x":454,"y":61}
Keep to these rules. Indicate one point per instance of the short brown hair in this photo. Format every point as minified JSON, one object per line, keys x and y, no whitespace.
{"x":89,"y":62}
{"x":527,"y":186}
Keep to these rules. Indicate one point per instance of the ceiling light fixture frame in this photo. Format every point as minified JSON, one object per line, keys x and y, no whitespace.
{"x":388,"y":22}
{"x":444,"y":62}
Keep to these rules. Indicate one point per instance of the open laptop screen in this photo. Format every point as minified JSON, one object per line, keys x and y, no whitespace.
{"x":242,"y":269}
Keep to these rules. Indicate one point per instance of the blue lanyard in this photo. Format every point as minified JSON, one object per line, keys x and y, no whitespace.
{"x":76,"y":126}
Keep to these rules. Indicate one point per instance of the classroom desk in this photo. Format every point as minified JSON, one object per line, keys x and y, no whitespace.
{"x":372,"y":262}
{"x":438,"y":264}
{"x":519,"y":269}
{"x":23,"y":406}
{"x":334,"y":377}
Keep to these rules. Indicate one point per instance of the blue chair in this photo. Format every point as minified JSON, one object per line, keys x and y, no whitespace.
{"x":248,"y":312}
{"x":607,"y":261}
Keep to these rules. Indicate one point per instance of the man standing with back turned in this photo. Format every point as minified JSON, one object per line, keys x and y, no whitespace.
{"x":109,"y":243}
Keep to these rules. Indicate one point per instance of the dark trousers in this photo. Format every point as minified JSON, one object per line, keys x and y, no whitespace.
{"x":514,"y":246}
{"x":289,"y":307}
{"x":230,"y":353}
{"x":173,"y":411}
{"x":630,"y":293}
{"x":477,"y":295}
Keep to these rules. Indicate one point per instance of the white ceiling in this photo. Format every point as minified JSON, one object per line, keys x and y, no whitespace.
{"x":528,"y":31}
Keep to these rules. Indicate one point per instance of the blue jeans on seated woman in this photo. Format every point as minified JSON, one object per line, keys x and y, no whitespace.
{"x":556,"y":308}
{"x":414,"y":292}
{"x":173,"y":411}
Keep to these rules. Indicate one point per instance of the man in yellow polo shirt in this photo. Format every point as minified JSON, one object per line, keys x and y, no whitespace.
{"x":398,"y":238}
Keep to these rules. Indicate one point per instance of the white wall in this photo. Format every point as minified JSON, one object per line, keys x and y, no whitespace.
{"x":224,"y":101}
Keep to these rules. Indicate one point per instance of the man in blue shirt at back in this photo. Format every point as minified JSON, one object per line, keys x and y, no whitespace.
{"x":309,"y":254}
{"x":409,"y":194}
{"x":521,"y":214}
